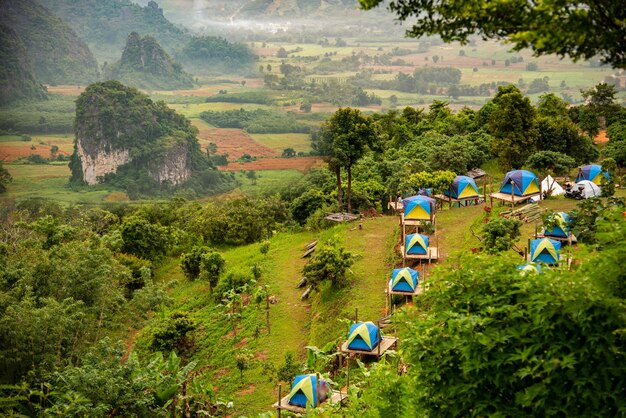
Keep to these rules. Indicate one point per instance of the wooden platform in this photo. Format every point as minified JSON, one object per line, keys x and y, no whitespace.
{"x":396,"y":206}
{"x":432,"y":254}
{"x":512,"y":199}
{"x":417,"y":222}
{"x":336,"y":397}
{"x":341,"y":217}
{"x":441,"y":198}
{"x":378,"y":351}
{"x":418,"y":289}
{"x":567,"y":240}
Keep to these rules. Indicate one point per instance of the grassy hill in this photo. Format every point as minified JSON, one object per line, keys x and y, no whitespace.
{"x":56,"y":53}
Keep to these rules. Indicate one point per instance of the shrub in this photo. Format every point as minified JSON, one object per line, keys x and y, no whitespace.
{"x":171,"y":333}
{"x":190,"y":262}
{"x":330,"y":262}
{"x":211,"y":267}
{"x":499,"y":234}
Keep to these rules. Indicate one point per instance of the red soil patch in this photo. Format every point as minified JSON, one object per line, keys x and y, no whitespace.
{"x":261,"y":355}
{"x":13,"y":151}
{"x":601,"y":138}
{"x":247,"y":390}
{"x":302,"y":164}
{"x":241,"y":343}
{"x":221,"y":372}
{"x":234,"y":142}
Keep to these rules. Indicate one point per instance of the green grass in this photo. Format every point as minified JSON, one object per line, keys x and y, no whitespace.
{"x":48,"y":181}
{"x":267,"y":181}
{"x":293,"y":323}
{"x":278,"y":142}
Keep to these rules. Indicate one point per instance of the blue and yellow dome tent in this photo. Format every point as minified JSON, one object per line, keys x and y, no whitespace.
{"x":419,"y":208}
{"x":364,"y":336}
{"x":416,"y":244}
{"x":592,"y":172}
{"x":304,"y":391}
{"x":545,"y":250}
{"x":520,"y":183}
{"x":403,"y":280}
{"x":462,"y":187}
{"x":562,"y":228}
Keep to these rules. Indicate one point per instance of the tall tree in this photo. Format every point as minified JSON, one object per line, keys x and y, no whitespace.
{"x":512,"y":124}
{"x":580,"y":29}
{"x":349,"y":133}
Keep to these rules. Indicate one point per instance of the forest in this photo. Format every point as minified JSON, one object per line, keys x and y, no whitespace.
{"x":206,"y":207}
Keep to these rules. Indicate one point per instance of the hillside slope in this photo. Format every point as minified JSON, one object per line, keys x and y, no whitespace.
{"x":17,"y":80}
{"x":57,"y":54}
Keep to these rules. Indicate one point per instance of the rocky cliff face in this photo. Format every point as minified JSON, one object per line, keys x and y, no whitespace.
{"x":122,"y":136}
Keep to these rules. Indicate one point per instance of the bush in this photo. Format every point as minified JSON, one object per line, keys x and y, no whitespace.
{"x":330,"y":262}
{"x":190,"y":262}
{"x":499,"y":234}
{"x":211,"y":267}
{"x":144,"y":239}
{"x":171,"y":333}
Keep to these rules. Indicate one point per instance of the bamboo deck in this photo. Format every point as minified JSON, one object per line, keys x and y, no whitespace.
{"x":418,"y":289}
{"x":451,"y":200}
{"x":417,"y":222}
{"x":512,"y":199}
{"x":336,"y":397}
{"x":571,"y":239}
{"x":432,"y":254}
{"x":385,"y":345}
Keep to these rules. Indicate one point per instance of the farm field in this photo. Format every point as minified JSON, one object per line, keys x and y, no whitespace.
{"x":302,"y":164}
{"x":278,"y":142}
{"x":13,"y":147}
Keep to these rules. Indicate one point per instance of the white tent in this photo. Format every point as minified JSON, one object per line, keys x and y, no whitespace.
{"x":589,"y":189}
{"x":551,"y":187}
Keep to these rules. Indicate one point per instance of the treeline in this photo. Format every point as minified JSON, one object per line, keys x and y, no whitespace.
{"x":259,"y":121}
{"x":71,"y":277}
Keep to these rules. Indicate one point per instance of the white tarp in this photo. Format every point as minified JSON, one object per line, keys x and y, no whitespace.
{"x":551,"y":187}
{"x":589,"y":189}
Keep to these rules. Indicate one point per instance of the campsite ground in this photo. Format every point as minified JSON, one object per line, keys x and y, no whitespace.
{"x":325,"y":316}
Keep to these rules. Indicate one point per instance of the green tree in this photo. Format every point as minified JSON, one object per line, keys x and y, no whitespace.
{"x":330,"y":262}
{"x":551,"y":106}
{"x":578,"y":29}
{"x":550,"y":162}
{"x":5,"y":178}
{"x":191,"y":262}
{"x":601,"y":99}
{"x":512,"y":124}
{"x":212,"y":266}
{"x":144,"y":239}
{"x":499,"y":234}
{"x":588,"y":121}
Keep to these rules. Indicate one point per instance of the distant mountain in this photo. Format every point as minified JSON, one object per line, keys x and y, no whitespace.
{"x":105,"y":24}
{"x":176,"y":10}
{"x":56,"y":53}
{"x":146,"y":65}
{"x":17,"y":80}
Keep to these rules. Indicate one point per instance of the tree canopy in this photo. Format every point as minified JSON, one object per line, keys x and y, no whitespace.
{"x":578,"y":29}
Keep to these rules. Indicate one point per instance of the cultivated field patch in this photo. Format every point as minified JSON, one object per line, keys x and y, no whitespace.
{"x":302,"y":164}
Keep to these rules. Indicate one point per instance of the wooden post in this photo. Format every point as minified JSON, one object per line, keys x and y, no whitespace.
{"x":529,"y":250}
{"x":512,"y":194}
{"x":267,"y":310}
{"x":280,"y":395}
{"x":485,"y":187}
{"x":317,"y":389}
{"x":348,"y":374}
{"x":380,"y":338}
{"x":356,"y":315}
